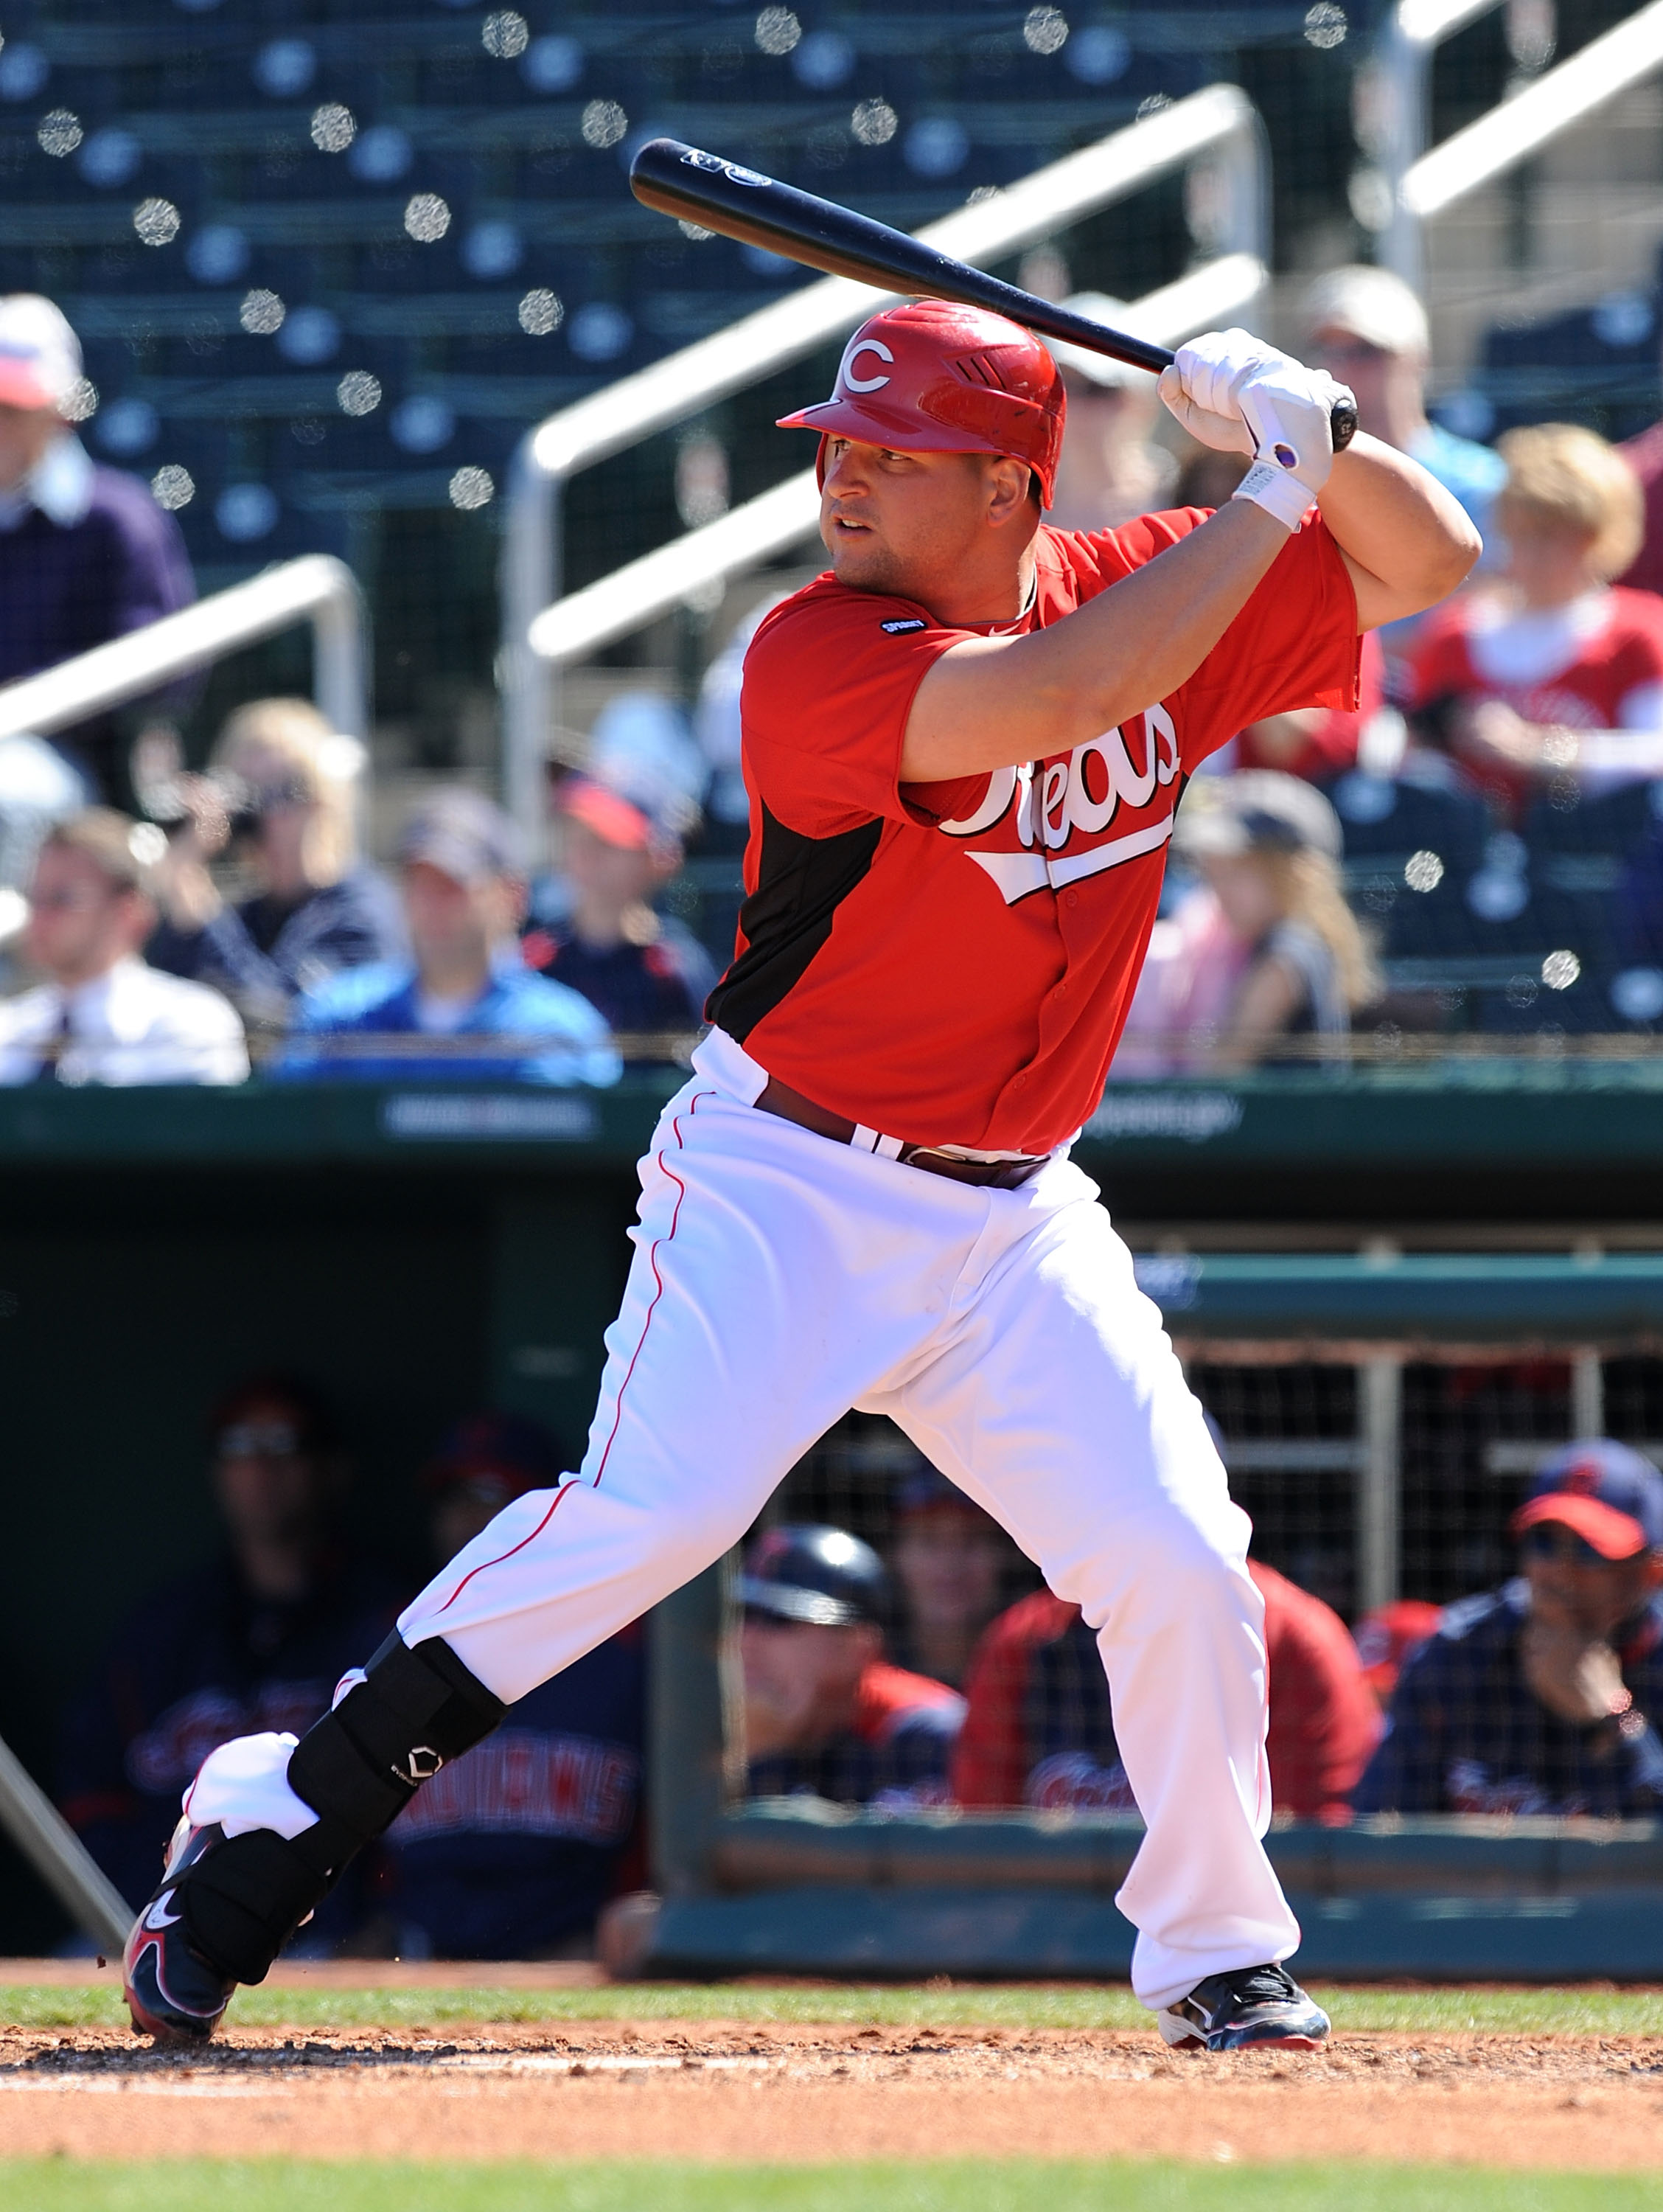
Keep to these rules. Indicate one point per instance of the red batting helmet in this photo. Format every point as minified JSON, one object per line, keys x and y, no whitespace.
{"x":930,"y":377}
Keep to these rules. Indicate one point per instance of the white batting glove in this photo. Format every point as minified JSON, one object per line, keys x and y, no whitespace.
{"x":1239,"y":395}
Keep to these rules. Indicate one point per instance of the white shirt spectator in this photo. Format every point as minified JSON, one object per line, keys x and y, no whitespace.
{"x":131,"y":1024}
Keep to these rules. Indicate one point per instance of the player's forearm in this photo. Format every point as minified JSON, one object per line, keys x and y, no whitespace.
{"x":1408,"y":541}
{"x":993,"y":702}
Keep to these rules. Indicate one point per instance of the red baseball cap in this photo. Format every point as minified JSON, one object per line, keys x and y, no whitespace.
{"x":613,"y":819}
{"x":932,"y":377}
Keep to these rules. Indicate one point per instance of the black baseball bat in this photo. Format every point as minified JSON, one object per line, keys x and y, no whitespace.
{"x":698,"y":187}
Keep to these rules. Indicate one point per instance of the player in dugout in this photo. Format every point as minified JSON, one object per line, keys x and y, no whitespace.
{"x":963,"y":747}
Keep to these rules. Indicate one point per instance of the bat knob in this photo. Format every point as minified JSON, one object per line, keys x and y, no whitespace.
{"x":1343,"y":423}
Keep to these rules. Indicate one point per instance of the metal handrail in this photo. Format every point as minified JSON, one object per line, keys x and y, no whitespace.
{"x":1512,"y":132}
{"x":1424,"y":183}
{"x":1219,"y":118}
{"x":317,"y":589}
{"x":638,"y":593}
{"x":1393,"y":91}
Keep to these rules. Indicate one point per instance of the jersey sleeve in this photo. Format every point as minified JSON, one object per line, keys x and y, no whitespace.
{"x":1295,"y":644}
{"x":823,"y":706}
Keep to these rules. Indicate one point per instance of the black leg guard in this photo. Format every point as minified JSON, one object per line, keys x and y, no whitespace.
{"x":357,"y":1768}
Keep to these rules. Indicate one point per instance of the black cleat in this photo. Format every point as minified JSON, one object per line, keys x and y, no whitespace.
{"x":172,"y":1991}
{"x":1253,"y":2008}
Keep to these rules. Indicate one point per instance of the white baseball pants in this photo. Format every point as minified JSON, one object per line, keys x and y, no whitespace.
{"x":779,"y":1278}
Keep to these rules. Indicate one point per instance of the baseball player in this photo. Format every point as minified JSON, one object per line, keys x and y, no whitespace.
{"x":963,"y":747}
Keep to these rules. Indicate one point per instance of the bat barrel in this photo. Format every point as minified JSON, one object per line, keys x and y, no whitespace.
{"x":686,"y":182}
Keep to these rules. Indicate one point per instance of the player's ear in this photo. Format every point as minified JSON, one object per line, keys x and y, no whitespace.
{"x":1007,"y":483}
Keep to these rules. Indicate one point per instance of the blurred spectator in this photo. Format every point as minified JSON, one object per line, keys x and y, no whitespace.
{"x":1389,"y":1636}
{"x":825,"y":1715}
{"x":463,"y":881}
{"x":1510,"y":673}
{"x":1266,"y":949}
{"x":1541,"y":1696}
{"x":950,"y":1560}
{"x":1316,"y":742}
{"x":102,"y":1016}
{"x":1644,"y":455}
{"x":279,"y":794}
{"x":716,"y":725}
{"x":511,"y":1850}
{"x":1112,"y":470}
{"x":255,"y":1640}
{"x":1365,"y":327}
{"x":1040,"y":1730}
{"x":86,"y":554}
{"x":594,"y":924}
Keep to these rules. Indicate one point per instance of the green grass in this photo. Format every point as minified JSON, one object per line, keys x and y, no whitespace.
{"x":943,"y":2185}
{"x":1502,"y":2011}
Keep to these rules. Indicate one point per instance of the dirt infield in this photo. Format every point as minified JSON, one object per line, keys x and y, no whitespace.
{"x":741,"y":2092}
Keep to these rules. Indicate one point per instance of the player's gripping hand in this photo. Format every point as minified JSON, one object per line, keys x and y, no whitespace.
{"x":1239,"y":395}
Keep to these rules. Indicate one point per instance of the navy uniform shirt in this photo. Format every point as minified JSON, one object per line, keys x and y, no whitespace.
{"x":517,"y":1844}
{"x":203,"y":1660}
{"x":1466,"y":1733}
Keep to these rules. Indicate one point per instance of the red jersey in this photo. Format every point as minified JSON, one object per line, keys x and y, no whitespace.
{"x":1040,"y":1730}
{"x":1644,"y":455}
{"x":952,"y":963}
{"x":1621,"y":653}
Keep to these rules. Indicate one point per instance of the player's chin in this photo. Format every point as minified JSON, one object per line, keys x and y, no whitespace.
{"x":860,"y":559}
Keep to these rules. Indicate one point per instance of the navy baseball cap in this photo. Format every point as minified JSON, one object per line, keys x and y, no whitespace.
{"x":822,"y":1576}
{"x":1607,"y":1492}
{"x":495,"y":1457}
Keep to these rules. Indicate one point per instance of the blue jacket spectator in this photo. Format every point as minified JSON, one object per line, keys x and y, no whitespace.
{"x":467,"y":992}
{"x":256,"y":1640}
{"x":1543,"y":1697}
{"x":86,"y":554}
{"x":511,"y":1850}
{"x":280,"y":794}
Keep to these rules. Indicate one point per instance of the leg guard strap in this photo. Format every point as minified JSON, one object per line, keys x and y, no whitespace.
{"x":360,"y":1765}
{"x":242,"y":1901}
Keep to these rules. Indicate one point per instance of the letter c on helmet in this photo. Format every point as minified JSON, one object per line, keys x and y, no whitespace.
{"x":852,"y":383}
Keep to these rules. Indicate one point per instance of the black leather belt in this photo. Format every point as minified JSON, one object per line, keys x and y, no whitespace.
{"x":791,"y":1105}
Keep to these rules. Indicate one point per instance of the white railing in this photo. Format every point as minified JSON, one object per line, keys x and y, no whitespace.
{"x":319,"y":589}
{"x":1220,"y":122}
{"x":640,"y":592}
{"x":1392,"y":96}
{"x":1423,"y":184}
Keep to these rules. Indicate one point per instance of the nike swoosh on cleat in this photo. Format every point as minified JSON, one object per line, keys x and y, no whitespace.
{"x":158,"y":1915}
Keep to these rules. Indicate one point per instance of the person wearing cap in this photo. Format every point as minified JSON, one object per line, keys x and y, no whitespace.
{"x":595,"y":927}
{"x":1110,"y":469}
{"x":1367,"y":327}
{"x":1544,"y":1696}
{"x":518,"y":1843}
{"x":254,"y":1639}
{"x":102,"y":1015}
{"x":826,"y":1714}
{"x":466,"y":992}
{"x":964,"y":744}
{"x":1040,"y":1730}
{"x":278,"y":798}
{"x":950,"y":1561}
{"x":1265,"y":948}
{"x":86,"y":555}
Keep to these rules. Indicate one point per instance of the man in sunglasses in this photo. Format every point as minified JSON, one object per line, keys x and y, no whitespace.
{"x":1541,"y":1696}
